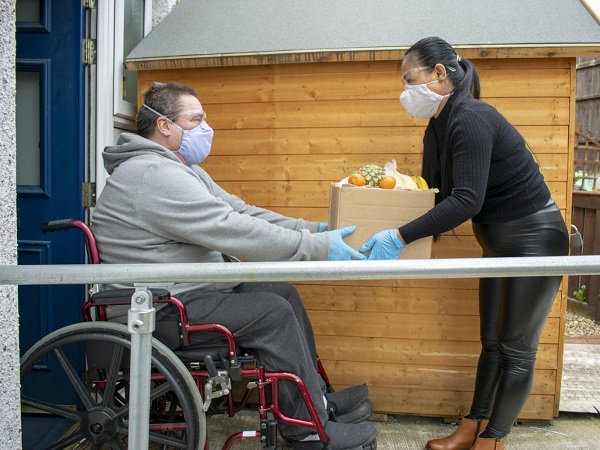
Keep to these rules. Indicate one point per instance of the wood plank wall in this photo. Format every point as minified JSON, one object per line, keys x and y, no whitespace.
{"x":283,"y":133}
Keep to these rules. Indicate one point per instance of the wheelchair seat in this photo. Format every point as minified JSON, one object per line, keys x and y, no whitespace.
{"x":170,"y":330}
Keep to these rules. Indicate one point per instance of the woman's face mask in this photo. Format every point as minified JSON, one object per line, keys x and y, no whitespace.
{"x":195,"y":143}
{"x":420,"y":101}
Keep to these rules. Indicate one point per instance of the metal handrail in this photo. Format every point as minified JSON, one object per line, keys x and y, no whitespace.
{"x":300,"y":271}
{"x":141,"y":315}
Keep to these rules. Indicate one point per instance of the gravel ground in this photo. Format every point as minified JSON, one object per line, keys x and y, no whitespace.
{"x":578,"y":325}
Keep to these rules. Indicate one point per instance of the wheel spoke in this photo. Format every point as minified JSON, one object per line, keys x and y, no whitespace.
{"x":155,"y":393}
{"x":68,"y":440}
{"x":113,"y":372}
{"x":173,"y":408}
{"x":161,"y":389}
{"x":82,"y":391}
{"x":118,"y":395}
{"x":116,"y":444}
{"x":167,"y":440}
{"x":51,"y":408}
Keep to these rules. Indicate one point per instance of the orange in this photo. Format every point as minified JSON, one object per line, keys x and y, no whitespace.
{"x":357,"y":179}
{"x":387,"y":182}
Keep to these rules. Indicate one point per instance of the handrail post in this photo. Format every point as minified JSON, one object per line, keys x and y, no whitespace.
{"x":140,"y":323}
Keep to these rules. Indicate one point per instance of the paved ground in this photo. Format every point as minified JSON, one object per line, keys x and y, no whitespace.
{"x":576,"y":428}
{"x":570,"y":431}
{"x":580,"y":390}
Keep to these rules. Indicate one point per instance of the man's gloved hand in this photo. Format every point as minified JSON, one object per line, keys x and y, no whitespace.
{"x":323,"y":226}
{"x":384,"y":245}
{"x":338,"y":250}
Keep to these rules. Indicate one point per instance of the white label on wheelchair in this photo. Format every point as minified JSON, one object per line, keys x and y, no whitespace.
{"x":248,"y":434}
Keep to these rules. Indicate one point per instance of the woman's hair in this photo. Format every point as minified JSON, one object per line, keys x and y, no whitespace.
{"x":437,"y":167}
{"x":430,"y":51}
{"x":163,"y":98}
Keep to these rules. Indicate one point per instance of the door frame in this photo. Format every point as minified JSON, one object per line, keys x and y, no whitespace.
{"x":109,"y":124}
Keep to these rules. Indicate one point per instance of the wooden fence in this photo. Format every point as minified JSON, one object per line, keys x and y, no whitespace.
{"x":586,"y":214}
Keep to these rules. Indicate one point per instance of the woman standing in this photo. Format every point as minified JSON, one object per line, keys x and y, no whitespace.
{"x":484,"y":172}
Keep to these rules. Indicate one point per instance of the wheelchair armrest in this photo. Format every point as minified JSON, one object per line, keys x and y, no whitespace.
{"x":170,"y":331}
{"x":124,"y":296}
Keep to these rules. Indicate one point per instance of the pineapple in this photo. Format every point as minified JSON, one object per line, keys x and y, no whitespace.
{"x":372,"y":173}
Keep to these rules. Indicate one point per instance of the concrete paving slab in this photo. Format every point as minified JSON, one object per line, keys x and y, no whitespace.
{"x":580,"y":391}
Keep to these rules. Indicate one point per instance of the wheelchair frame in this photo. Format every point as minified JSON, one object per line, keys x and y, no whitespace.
{"x":191,"y":375}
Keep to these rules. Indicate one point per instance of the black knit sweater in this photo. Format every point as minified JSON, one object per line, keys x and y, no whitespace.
{"x":494,"y":176}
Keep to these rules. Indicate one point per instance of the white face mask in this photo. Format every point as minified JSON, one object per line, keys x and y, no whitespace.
{"x":420,"y":101}
{"x":195,"y":143}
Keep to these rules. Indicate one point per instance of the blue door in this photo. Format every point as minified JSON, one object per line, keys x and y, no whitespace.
{"x":50,"y":169}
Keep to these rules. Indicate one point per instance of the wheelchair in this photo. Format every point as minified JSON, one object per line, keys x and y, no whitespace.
{"x":188,"y":380}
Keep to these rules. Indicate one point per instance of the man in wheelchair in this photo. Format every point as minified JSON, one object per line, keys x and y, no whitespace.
{"x":159,"y":206}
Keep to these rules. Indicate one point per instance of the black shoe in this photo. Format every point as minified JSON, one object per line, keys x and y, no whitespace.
{"x":342,"y":436}
{"x":351,"y":405}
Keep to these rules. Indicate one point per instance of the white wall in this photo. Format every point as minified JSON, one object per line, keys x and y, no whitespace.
{"x":160,"y":8}
{"x":10,"y":422}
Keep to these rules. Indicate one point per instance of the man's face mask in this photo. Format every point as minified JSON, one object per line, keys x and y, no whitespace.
{"x":195,"y":143}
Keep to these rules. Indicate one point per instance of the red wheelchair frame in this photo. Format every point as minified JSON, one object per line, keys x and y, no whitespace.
{"x":209,"y":367}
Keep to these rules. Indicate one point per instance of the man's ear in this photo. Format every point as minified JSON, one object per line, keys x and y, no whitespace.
{"x":163,"y":126}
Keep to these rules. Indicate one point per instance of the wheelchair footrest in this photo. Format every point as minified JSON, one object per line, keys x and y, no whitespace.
{"x":268,"y":434}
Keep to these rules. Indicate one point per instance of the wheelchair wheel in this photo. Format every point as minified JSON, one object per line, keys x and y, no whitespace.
{"x":100,"y":421}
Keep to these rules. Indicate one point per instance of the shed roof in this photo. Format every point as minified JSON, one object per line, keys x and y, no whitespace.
{"x":232,"y":32}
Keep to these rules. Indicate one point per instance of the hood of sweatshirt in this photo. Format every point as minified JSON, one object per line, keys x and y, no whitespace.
{"x":130,"y":145}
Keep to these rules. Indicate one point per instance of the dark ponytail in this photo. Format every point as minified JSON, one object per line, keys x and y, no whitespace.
{"x":428,"y":52}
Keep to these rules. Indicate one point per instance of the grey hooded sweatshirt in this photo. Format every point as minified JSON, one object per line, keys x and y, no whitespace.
{"x":155,"y":209}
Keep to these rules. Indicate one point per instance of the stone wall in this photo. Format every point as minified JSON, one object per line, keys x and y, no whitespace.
{"x":10,"y":431}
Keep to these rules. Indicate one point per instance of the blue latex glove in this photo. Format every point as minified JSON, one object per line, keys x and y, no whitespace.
{"x":384,"y":245}
{"x":338,"y":249}
{"x":323,"y":226}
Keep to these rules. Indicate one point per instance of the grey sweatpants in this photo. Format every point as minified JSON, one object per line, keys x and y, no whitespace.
{"x":268,"y":319}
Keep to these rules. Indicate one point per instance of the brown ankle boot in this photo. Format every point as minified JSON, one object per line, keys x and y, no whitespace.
{"x":462,"y":438}
{"x":489,"y":443}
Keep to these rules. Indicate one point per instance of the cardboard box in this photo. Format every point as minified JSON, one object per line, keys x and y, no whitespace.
{"x":375,"y":209}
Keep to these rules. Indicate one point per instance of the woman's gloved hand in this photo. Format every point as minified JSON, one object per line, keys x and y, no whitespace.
{"x":323,"y":226}
{"x":384,"y":245}
{"x":338,"y":249}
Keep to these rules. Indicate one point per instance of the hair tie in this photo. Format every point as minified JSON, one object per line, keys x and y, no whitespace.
{"x":458,"y":59}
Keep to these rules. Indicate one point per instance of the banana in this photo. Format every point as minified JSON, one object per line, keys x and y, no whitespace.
{"x":420,"y":182}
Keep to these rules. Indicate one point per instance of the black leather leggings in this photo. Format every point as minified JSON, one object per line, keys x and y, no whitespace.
{"x":513,"y":312}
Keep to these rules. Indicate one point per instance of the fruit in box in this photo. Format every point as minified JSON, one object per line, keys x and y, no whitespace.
{"x":373,"y":174}
{"x":387,"y":177}
{"x":387,"y":182}
{"x":357,"y":179}
{"x":420,"y":182}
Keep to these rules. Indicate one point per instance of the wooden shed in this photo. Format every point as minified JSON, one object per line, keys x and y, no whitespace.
{"x":301,"y":93}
